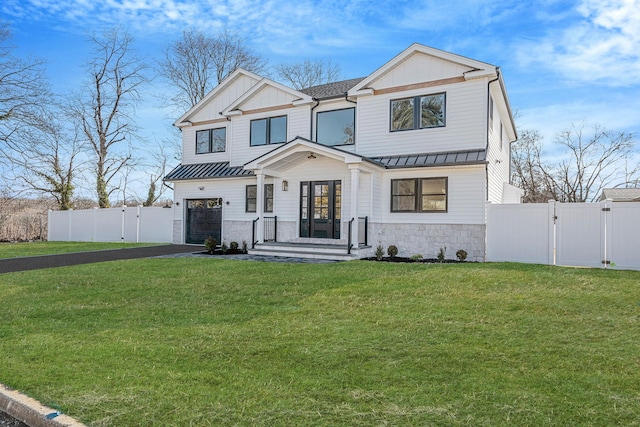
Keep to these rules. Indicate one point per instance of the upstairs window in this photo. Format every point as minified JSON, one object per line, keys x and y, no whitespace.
{"x":336,"y":127}
{"x":271,"y":130}
{"x":418,"y":112}
{"x":211,"y":140}
{"x":419,"y":195}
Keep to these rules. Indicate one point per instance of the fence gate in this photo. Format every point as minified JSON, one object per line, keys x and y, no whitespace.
{"x":602,"y":234}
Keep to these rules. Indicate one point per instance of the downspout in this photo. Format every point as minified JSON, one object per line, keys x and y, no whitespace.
{"x":486,"y":170}
{"x":346,"y":98}
{"x":311,"y":117}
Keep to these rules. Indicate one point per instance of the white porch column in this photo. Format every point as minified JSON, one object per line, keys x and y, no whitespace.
{"x":260,"y":206}
{"x":355,"y":184}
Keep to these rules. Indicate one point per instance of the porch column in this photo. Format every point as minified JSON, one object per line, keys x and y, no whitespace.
{"x":355,"y":184}
{"x":260,"y":206}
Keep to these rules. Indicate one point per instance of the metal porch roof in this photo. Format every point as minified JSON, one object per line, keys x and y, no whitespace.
{"x":206,"y":170}
{"x":453,"y":158}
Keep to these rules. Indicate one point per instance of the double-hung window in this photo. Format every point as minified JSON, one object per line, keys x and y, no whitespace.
{"x":336,"y":127}
{"x":211,"y":140}
{"x":271,"y":130}
{"x":252,"y":197}
{"x":419,"y":195}
{"x":418,"y":112}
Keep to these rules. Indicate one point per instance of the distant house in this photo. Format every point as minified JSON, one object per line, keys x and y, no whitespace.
{"x":408,"y":156}
{"x":621,"y":194}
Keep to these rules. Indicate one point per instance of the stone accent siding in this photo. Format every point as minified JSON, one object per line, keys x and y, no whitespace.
{"x":427,"y":239}
{"x":237,"y":231}
{"x":177,"y":231}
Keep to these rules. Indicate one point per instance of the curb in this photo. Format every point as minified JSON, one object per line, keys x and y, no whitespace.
{"x":32,"y":412}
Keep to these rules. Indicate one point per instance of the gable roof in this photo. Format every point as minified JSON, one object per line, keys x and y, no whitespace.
{"x":331,"y":90}
{"x":234,"y":108}
{"x":477,"y":68}
{"x":621,"y":194}
{"x":184,"y":120}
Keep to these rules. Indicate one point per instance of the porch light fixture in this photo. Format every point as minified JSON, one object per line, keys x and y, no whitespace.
{"x":311,"y":156}
{"x":201,"y":188}
{"x":285,"y":185}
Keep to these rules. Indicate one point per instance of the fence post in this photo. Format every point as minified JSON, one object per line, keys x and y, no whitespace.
{"x":553,"y":217}
{"x":124,"y":207}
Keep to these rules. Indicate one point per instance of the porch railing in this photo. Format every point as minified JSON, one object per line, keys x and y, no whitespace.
{"x":349,"y":243}
{"x":270,"y":228}
{"x":253,"y":233}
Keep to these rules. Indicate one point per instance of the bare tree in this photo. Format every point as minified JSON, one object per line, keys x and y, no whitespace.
{"x":587,"y":162}
{"x":196,"y":63}
{"x":24,"y":91}
{"x":105,"y":108}
{"x":308,"y":73}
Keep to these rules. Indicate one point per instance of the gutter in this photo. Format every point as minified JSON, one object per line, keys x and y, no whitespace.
{"x":486,"y":169}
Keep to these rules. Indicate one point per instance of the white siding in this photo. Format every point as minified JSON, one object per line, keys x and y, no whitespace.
{"x":498,"y":156}
{"x":222,"y":100}
{"x":242,"y":152}
{"x":465,"y":123}
{"x":465,"y":199}
{"x":419,"y":68}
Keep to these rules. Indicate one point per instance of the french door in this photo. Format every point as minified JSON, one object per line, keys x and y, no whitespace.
{"x":320,"y":205}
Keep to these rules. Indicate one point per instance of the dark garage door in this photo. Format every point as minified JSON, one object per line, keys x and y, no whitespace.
{"x":204,"y":219}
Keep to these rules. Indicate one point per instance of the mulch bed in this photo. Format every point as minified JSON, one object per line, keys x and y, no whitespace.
{"x":414,"y":260}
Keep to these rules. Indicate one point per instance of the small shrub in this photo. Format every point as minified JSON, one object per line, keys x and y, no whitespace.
{"x":461,"y":254}
{"x":210,"y":244}
{"x":379,"y":252}
{"x":442,"y":254}
{"x":416,"y":257}
{"x":392,"y":250}
{"x":224,"y":248}
{"x":233,"y":246}
{"x":245,"y":248}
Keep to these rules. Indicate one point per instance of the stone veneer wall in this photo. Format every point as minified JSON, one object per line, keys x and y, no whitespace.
{"x":427,"y":239}
{"x":237,"y":231}
{"x":177,"y":231}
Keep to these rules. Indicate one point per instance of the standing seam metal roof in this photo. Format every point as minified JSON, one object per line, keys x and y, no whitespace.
{"x":206,"y":170}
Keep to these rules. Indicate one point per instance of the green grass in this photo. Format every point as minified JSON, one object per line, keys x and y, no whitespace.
{"x":14,"y":250}
{"x":219,"y":342}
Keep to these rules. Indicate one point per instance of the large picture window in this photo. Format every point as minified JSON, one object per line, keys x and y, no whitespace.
{"x":336,"y":127}
{"x":271,"y":130}
{"x":418,"y":112}
{"x":211,"y":140}
{"x":419,"y":195}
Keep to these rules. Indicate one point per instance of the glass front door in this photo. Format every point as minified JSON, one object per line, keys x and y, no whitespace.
{"x":320,"y":205}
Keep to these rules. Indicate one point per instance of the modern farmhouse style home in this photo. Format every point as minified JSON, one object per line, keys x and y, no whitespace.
{"x":407,"y":156}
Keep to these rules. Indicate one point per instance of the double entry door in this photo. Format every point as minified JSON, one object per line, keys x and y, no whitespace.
{"x":320,"y":205}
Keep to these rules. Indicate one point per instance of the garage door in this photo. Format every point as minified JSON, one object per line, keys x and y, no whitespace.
{"x":204,"y":219}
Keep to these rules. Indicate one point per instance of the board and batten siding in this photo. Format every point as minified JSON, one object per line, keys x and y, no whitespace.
{"x":464,"y":130}
{"x":419,"y":68}
{"x":466,"y":196}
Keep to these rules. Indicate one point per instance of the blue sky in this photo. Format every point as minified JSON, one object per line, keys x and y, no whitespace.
{"x":563,"y":61}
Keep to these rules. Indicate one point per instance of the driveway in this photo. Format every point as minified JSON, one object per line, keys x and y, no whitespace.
{"x":10,"y":265}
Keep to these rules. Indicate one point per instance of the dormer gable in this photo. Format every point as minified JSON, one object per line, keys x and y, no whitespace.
{"x":210,"y":107}
{"x":266,"y":94}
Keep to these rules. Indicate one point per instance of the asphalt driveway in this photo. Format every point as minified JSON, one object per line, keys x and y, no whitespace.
{"x":10,"y":265}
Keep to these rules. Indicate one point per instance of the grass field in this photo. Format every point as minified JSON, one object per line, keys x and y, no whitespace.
{"x":219,"y":342}
{"x":13,"y":250}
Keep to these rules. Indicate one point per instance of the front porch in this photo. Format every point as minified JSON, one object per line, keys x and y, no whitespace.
{"x":302,"y":247}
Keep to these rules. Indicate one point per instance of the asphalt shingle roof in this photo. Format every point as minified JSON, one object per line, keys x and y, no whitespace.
{"x":621,"y":194}
{"x":331,"y":90}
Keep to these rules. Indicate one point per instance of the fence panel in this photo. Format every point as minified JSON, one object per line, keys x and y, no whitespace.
{"x":520,"y":233}
{"x":580,"y":234}
{"x":624,"y":235}
{"x":149,"y":225}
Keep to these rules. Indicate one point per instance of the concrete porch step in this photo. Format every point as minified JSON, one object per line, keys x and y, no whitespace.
{"x":305,"y":250}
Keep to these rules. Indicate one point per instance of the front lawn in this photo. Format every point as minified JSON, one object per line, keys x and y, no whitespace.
{"x":186,"y":341}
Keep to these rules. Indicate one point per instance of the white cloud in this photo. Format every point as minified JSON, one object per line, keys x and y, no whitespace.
{"x":602,"y":47}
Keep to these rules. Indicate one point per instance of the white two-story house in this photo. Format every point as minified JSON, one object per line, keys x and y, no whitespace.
{"x":408,"y":156}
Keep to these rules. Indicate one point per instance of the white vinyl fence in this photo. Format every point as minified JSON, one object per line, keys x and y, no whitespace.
{"x":133,"y":224}
{"x":605,"y":234}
